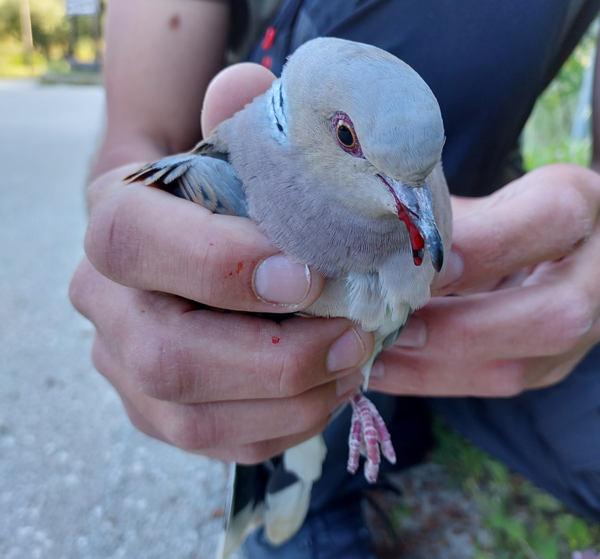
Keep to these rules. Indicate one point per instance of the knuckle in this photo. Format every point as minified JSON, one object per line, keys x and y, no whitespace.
{"x":100,"y":358}
{"x":573,"y":319}
{"x":568,"y":194}
{"x":150,"y":360}
{"x":78,"y":289}
{"x":464,"y":339}
{"x":203,"y":270}
{"x":312,"y":410}
{"x":195,"y":429}
{"x":138,"y":421}
{"x":253,"y":453}
{"x":94,"y":192}
{"x":508,"y":380}
{"x":112,"y":240}
{"x":291,"y":380}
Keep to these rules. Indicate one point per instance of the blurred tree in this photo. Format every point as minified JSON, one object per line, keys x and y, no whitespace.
{"x":50,"y":28}
{"x":26,"y":31}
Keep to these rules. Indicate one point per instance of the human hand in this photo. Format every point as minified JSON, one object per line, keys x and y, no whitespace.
{"x":230,"y":386}
{"x":529,"y":294}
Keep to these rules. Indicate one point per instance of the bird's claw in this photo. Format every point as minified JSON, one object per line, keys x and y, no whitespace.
{"x":368,"y":435}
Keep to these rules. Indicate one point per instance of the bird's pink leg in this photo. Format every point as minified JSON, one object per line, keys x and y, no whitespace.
{"x":368,"y":431}
{"x":354,"y":442}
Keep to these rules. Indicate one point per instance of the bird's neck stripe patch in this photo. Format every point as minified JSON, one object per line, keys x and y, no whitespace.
{"x":276,"y":104}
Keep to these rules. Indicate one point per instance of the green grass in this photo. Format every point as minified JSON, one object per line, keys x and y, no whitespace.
{"x":524,"y":521}
{"x":13,"y":64}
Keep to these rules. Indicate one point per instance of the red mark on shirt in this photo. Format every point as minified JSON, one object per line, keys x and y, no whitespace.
{"x":267,"y":41}
{"x":275,"y":340}
{"x":267,"y":62}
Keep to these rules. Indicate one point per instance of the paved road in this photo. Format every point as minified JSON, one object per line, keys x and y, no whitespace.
{"x":76,"y":480}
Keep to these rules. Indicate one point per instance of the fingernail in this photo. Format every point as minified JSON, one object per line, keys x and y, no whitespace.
{"x":348,"y":351}
{"x":377,"y":370}
{"x":414,"y":334}
{"x":279,"y":280}
{"x":452,"y":272}
{"x":351,"y":382}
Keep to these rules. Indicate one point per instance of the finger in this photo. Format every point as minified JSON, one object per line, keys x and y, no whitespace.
{"x":556,"y":306}
{"x":254,"y":453}
{"x":199,"y":427}
{"x":231,"y":90}
{"x":535,"y":320}
{"x":93,"y":296}
{"x":545,"y":215}
{"x":174,"y":352}
{"x":148,"y":239}
{"x":547,"y":371}
{"x":407,"y":375}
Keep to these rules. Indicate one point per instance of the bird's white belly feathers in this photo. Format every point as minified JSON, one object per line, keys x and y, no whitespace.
{"x":364,"y":299}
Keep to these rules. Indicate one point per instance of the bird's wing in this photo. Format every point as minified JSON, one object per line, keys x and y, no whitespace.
{"x":203,"y":176}
{"x":275,"y":493}
{"x":245,"y":506}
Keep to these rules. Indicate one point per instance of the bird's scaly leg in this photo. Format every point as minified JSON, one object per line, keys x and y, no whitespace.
{"x":367,"y":435}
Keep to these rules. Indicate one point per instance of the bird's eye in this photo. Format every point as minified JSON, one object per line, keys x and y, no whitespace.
{"x":345,"y":135}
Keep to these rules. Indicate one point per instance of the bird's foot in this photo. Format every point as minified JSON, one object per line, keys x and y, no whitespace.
{"x":368,"y":435}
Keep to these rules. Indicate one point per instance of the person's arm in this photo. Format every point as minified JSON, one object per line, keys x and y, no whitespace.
{"x":595,"y":162}
{"x":231,"y":386}
{"x":160,"y":58}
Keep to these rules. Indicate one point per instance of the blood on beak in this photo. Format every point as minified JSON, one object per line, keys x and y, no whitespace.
{"x":415,"y":210}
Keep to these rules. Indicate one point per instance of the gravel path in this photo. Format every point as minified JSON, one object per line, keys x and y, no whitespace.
{"x":433,"y":520}
{"x":76,"y":480}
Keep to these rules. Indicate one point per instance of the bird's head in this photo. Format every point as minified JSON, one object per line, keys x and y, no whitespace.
{"x":371,"y":130}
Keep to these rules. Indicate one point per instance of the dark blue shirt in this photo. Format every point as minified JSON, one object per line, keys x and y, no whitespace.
{"x":486,"y":61}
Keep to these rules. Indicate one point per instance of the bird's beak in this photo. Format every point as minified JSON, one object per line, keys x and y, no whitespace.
{"x":415,"y":209}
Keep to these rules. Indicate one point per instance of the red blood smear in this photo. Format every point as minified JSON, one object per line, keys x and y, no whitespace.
{"x":240,"y":266}
{"x":416,"y":240}
{"x":415,"y":237}
{"x":267,"y":41}
{"x":267,"y":62}
{"x":275,"y":340}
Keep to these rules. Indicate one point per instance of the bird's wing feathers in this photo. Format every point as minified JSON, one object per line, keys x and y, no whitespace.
{"x":203,"y":176}
{"x":245,"y":506}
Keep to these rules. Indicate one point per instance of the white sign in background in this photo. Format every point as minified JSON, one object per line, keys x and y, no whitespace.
{"x":82,"y":7}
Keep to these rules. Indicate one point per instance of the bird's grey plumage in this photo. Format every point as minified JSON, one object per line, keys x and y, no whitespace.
{"x":372,"y":216}
{"x":203,"y":176}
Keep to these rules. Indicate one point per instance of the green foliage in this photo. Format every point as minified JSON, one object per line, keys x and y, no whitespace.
{"x":546,"y":137}
{"x":48,"y":23}
{"x":524,"y":521}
